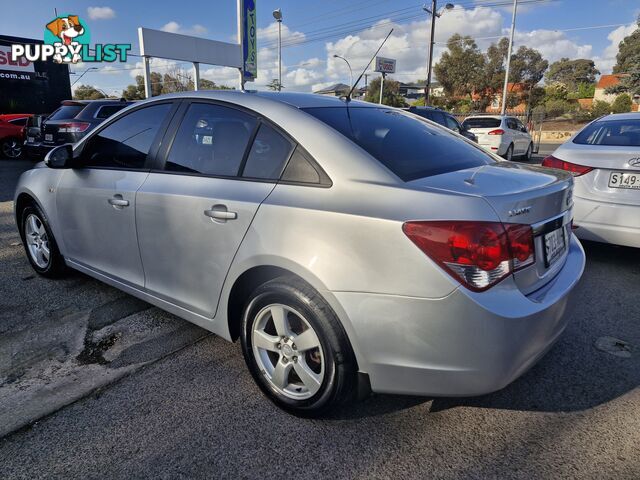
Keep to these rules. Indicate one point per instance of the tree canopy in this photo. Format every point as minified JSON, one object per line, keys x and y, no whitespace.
{"x":87,"y":92}
{"x":461,"y":68}
{"x":173,"y":81}
{"x":390,"y":92}
{"x":572,"y":73}
{"x":628,"y":61}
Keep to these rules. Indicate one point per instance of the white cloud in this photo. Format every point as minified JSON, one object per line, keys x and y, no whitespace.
{"x":552,"y":44}
{"x":175,"y":27}
{"x":101,"y":13}
{"x":607,"y":60}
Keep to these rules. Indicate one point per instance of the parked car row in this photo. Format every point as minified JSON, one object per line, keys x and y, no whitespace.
{"x":35,"y":135}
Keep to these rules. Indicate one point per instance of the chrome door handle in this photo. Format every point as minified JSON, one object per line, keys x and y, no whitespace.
{"x":220,"y":213}
{"x":118,"y":201}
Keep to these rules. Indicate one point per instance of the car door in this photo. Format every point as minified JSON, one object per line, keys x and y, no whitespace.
{"x":524,"y":135}
{"x":514,"y":133}
{"x":196,"y":206}
{"x":96,"y":199}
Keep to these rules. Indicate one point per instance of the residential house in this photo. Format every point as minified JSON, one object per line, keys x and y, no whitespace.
{"x":521,"y":90}
{"x":605,"y":82}
{"x":335,"y":90}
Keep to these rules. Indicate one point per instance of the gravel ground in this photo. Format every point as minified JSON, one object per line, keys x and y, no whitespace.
{"x":197,"y":413}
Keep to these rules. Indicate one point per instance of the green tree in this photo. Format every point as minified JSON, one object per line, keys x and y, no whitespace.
{"x":555,"y":91}
{"x":628,"y":61}
{"x":600,"y":108}
{"x":136,"y":92}
{"x":390,"y":93}
{"x":572,"y":73}
{"x":527,"y":66}
{"x":87,"y":92}
{"x":622,"y":104}
{"x":556,"y":107}
{"x":274,"y":85}
{"x":461,"y":67}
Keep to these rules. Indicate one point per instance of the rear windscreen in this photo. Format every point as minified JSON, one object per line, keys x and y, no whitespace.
{"x":618,"y":133}
{"x":407,"y":145}
{"x":481,"y":123}
{"x":66,"y":112}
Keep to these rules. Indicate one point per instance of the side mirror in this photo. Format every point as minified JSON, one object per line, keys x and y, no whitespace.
{"x":60,"y":157}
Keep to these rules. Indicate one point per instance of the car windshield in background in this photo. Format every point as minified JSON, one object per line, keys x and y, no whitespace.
{"x":480,"y":122}
{"x":409,"y":147}
{"x":66,"y":111}
{"x":619,"y":133}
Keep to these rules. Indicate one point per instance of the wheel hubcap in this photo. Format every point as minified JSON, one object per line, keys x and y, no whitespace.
{"x":288,"y":351}
{"x":37,"y":241}
{"x":11,"y":149}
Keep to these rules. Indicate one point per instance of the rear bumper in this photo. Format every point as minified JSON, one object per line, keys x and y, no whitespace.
{"x":465,"y":343}
{"x":607,"y":222}
{"x":497,"y":148}
{"x":36,"y":151}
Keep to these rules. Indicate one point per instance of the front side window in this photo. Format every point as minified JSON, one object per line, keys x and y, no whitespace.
{"x":452,"y":123}
{"x":126,"y":142}
{"x":408,"y":146}
{"x":269,"y":154}
{"x":619,"y":133}
{"x":211,"y":140}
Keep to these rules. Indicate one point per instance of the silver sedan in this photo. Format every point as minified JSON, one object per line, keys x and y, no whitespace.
{"x":349,"y":246}
{"x":604,"y":158}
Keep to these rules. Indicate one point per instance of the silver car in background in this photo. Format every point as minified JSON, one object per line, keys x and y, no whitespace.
{"x":604,"y":158}
{"x":347,"y":245}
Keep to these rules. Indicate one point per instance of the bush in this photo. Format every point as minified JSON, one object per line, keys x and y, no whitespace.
{"x":600,"y":108}
{"x":622,"y":104}
{"x":556,"y":108}
{"x":556,"y":91}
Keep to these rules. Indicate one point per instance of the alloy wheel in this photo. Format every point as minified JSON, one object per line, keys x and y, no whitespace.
{"x":288,"y":352}
{"x":37,"y":241}
{"x":11,"y":148}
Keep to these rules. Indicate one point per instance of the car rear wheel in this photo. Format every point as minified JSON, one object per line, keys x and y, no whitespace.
{"x":42,"y":250}
{"x":296,"y":349}
{"x":11,"y":148}
{"x":508,"y":155}
{"x":527,"y":155}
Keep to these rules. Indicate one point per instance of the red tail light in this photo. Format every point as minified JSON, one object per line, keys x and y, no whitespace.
{"x":73,"y":127}
{"x":480,"y":254}
{"x":497,"y":131}
{"x":575,"y":169}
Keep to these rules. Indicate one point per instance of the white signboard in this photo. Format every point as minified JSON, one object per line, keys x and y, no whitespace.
{"x":21,"y":65}
{"x":385,"y":65}
{"x":156,"y":43}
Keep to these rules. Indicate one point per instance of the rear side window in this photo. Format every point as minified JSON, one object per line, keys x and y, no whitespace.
{"x":512,"y":124}
{"x":107,"y":110}
{"x":66,"y":112}
{"x":619,"y":133}
{"x":18,"y":121}
{"x":211,"y":140}
{"x":269,"y":154}
{"x":302,"y":169}
{"x":409,"y":147}
{"x":127,"y":141}
{"x":480,"y":122}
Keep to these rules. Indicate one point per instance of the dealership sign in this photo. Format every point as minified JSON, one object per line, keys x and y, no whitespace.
{"x":385,"y":65}
{"x":66,"y":40}
{"x":249,"y":46}
{"x":19,"y":69}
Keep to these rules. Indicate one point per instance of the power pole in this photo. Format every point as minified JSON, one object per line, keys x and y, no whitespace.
{"x":506,"y":73}
{"x":427,"y":85}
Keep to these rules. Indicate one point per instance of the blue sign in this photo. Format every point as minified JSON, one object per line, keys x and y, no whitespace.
{"x":249,"y":46}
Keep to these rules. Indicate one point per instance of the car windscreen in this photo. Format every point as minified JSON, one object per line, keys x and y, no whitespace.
{"x":619,"y":133}
{"x":66,"y":112}
{"x":408,"y":146}
{"x":480,"y":122}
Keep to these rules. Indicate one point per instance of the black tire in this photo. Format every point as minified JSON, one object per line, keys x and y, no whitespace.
{"x":55,"y":267}
{"x":339,"y":384}
{"x":508,"y":155}
{"x":528,"y":153}
{"x":11,"y":148}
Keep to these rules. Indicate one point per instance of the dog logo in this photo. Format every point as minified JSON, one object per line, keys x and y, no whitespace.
{"x":67,"y":31}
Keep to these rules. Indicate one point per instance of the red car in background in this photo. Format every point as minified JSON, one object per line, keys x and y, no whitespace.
{"x":12,"y":127}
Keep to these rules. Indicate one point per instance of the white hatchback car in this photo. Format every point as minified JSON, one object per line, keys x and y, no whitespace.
{"x":604,"y":158}
{"x":502,"y":135}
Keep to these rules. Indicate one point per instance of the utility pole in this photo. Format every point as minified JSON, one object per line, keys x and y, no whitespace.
{"x":382,"y":86}
{"x":277,"y":14}
{"x":506,"y":73}
{"x":434,"y":14}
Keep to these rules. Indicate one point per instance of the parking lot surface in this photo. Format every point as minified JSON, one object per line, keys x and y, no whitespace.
{"x":94,"y":383}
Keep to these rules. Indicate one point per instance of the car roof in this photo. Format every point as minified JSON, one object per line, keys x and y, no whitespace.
{"x":621,"y":116}
{"x":294,"y":99}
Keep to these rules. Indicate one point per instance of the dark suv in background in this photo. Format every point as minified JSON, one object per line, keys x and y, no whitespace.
{"x":443,"y":118}
{"x":68,"y":124}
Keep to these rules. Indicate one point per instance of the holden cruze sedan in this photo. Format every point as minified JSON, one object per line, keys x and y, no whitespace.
{"x":604,"y":158}
{"x":347,"y":245}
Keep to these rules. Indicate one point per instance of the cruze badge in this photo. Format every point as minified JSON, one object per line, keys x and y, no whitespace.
{"x":635,"y":162}
{"x":519,"y":211}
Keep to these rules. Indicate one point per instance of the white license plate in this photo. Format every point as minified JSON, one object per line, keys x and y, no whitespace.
{"x":48,"y":137}
{"x":30,"y":139}
{"x":624,"y":180}
{"x":554,"y":245}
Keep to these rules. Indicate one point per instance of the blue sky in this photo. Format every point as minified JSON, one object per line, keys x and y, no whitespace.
{"x":316,"y":30}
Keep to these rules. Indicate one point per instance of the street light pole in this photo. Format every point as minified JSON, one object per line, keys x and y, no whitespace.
{"x":83,"y":74}
{"x":506,"y":73}
{"x":277,"y":14}
{"x":434,"y":13}
{"x":348,"y":65}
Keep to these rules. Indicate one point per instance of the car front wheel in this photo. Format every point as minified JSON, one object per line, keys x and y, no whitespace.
{"x":39,"y":243}
{"x":296,"y":349}
{"x":11,"y":148}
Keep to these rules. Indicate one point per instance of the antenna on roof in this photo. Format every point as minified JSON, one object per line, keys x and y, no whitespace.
{"x":368,"y":64}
